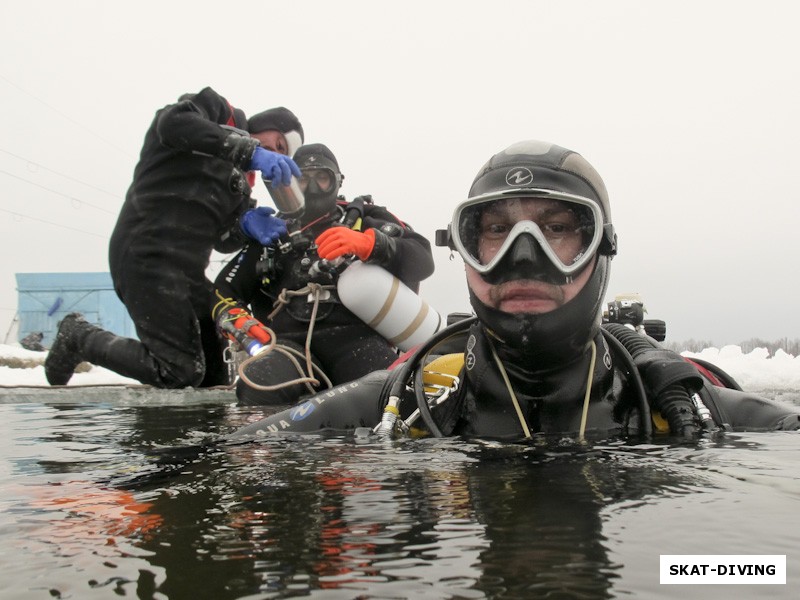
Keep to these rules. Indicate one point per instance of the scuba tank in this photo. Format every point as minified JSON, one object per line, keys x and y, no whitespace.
{"x":387,"y":305}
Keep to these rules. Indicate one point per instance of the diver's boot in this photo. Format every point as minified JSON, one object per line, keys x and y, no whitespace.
{"x":78,"y":340}
{"x":125,"y":356}
{"x":65,"y":354}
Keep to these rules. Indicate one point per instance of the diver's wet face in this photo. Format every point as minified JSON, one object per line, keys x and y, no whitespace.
{"x":526,"y":295}
{"x":536,"y":240}
{"x":519,"y":248}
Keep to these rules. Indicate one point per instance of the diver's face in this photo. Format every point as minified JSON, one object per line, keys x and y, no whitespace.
{"x":273,"y":140}
{"x":521,"y":288}
{"x":526,"y":295}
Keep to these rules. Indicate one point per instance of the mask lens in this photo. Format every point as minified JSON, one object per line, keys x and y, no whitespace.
{"x":565,"y":229}
{"x":320,"y":180}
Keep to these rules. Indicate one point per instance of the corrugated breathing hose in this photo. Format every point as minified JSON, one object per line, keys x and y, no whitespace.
{"x":669,"y":379}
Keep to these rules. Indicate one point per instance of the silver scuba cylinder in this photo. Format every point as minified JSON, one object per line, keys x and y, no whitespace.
{"x":387,"y":305}
{"x":289,"y":199}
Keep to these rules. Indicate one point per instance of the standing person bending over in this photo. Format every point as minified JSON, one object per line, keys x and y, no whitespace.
{"x":537,"y":240}
{"x":272,"y":282}
{"x":188,"y":193}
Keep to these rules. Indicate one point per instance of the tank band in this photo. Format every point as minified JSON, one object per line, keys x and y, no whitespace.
{"x":386,"y":305}
{"x":411,"y":329}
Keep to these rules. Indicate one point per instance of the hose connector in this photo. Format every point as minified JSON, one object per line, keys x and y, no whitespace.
{"x":385,"y":429}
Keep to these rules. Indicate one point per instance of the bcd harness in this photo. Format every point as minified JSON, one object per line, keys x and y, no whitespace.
{"x":671,"y":396}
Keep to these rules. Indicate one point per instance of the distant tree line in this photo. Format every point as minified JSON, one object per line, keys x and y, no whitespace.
{"x":692,"y":345}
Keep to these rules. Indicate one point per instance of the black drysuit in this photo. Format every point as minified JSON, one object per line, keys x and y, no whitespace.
{"x":543,"y":402}
{"x":188,"y":190}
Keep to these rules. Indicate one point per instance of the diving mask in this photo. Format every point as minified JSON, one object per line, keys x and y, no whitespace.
{"x":567,"y":228}
{"x":319,"y":180}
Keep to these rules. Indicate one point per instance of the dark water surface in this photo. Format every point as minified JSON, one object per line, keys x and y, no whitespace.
{"x":109,"y":499}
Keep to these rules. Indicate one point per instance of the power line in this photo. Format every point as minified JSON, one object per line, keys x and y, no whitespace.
{"x":41,"y":166}
{"x":100,"y":208}
{"x":68,"y":118}
{"x":19,"y":214}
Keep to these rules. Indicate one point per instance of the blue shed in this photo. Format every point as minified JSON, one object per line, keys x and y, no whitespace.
{"x":45,"y":298}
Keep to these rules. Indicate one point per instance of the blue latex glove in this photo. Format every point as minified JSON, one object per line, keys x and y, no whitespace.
{"x":259,"y":224}
{"x":276,"y":167}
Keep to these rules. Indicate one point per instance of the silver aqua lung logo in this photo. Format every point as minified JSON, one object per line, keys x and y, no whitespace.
{"x":470,"y":358}
{"x":519,"y":176}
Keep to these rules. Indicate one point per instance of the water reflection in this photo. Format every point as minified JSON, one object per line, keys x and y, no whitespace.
{"x":442,"y":518}
{"x":144,"y":501}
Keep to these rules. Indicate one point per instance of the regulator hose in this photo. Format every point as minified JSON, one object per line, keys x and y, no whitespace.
{"x":669,"y":379}
{"x":676,"y":406}
{"x":410,"y":365}
{"x":645,"y":418}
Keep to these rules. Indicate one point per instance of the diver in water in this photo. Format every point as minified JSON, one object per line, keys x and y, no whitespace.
{"x":537,"y":239}
{"x":290,"y":287}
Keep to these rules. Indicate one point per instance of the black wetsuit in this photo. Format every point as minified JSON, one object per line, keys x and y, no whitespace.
{"x":342,"y":345}
{"x":188,"y":190}
{"x":549,"y":402}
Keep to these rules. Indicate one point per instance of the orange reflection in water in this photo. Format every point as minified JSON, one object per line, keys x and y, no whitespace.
{"x":91,"y":511}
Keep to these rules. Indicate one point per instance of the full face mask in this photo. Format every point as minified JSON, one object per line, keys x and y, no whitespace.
{"x":320,"y":180}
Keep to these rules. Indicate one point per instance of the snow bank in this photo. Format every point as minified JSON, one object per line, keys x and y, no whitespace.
{"x":34,"y":375}
{"x":755,"y":370}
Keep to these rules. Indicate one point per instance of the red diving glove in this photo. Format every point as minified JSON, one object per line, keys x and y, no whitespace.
{"x":240,"y":326}
{"x":338,"y":241}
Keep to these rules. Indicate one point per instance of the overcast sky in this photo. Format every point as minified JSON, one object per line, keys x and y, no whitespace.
{"x":688,"y":109}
